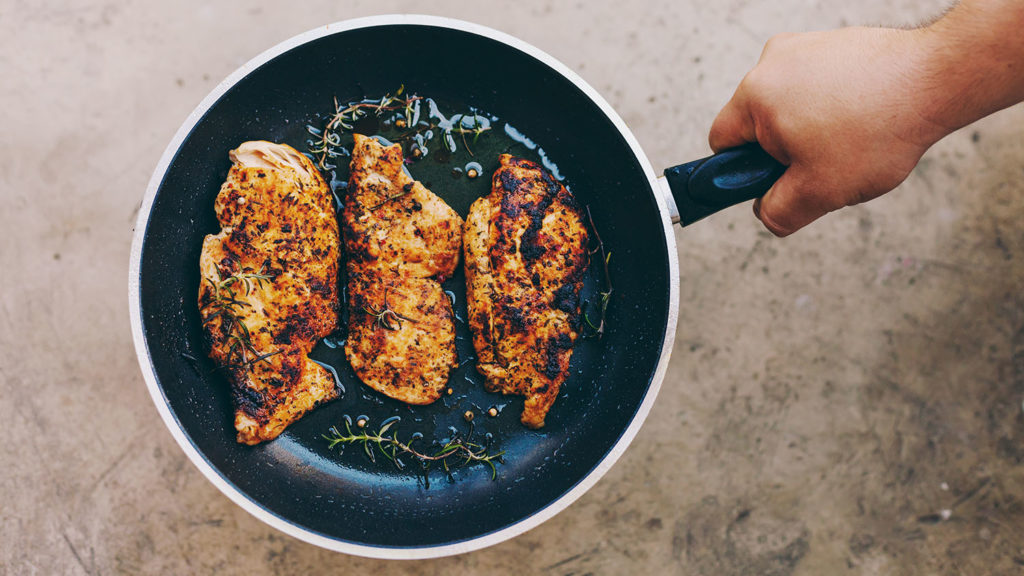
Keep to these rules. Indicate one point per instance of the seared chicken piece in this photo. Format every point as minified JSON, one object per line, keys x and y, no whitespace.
{"x":526,"y":252}
{"x":401,"y":242}
{"x":269,"y":287}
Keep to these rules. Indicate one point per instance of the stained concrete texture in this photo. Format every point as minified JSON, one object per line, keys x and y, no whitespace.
{"x":847,"y":400}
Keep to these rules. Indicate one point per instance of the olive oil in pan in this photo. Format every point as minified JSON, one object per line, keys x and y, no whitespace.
{"x":450,"y":147}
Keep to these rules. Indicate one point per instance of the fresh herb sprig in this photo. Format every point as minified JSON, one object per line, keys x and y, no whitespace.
{"x":225,"y":300}
{"x":246,"y":279}
{"x":384,"y":316}
{"x":344,"y":118}
{"x":476,"y":129}
{"x":461,"y":124}
{"x":328,"y":140}
{"x":606,"y":295}
{"x":456,"y":451}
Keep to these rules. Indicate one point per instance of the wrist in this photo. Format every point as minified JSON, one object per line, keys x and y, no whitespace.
{"x":932,"y":84}
{"x":969,"y":63}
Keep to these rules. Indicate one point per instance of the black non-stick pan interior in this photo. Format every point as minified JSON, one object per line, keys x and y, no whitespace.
{"x":345,"y":496}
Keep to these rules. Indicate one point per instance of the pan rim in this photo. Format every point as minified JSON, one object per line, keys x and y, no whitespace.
{"x":296,"y":530}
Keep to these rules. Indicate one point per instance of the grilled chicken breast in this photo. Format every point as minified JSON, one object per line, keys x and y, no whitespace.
{"x":401,"y":242}
{"x":526,"y":253}
{"x":269,"y":287}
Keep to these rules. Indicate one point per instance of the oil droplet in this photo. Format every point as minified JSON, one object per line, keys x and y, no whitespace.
{"x":473,"y":122}
{"x":519,"y":137}
{"x":337,"y":380}
{"x":531,"y":145}
{"x":456,"y":172}
{"x":333,"y":341}
{"x":362,"y":421}
{"x":473,"y":169}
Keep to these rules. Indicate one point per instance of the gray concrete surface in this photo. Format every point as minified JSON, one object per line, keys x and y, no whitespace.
{"x":829,"y":396}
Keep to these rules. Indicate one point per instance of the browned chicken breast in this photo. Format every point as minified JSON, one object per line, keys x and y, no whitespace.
{"x":401,"y":242}
{"x":269,"y":287}
{"x":526,"y":252}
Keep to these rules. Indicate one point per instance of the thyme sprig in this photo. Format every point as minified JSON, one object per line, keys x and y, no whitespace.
{"x":225,"y":299}
{"x":384,"y":316}
{"x":344,"y":118}
{"x":606,"y":295}
{"x":476,"y":130}
{"x":458,"y":125}
{"x":456,"y":451}
{"x":327,"y":141}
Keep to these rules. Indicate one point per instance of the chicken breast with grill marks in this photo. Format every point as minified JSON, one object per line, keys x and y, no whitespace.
{"x":526,"y":253}
{"x":401,"y":242}
{"x":269,"y":287}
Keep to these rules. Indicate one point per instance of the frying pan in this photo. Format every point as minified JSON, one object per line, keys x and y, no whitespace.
{"x":342,"y":501}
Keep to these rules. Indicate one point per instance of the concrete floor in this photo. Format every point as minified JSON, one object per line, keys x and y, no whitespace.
{"x":829,"y":396}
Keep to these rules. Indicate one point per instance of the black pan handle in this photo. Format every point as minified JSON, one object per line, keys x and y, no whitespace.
{"x":705,"y":186}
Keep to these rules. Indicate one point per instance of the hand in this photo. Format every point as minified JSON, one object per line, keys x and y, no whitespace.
{"x":843,"y":109}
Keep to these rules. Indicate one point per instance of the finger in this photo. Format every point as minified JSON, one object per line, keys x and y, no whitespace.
{"x":789,"y":205}
{"x":733,"y":126}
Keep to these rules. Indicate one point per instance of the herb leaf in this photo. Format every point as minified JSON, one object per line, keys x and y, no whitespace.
{"x":606,"y":295}
{"x":225,"y":305}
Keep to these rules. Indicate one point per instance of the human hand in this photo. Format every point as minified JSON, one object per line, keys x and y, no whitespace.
{"x":844,"y":109}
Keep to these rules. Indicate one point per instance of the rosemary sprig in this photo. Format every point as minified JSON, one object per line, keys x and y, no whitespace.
{"x":456,"y":451}
{"x":345,"y":117}
{"x":606,"y":295}
{"x":224,"y":298}
{"x":247,"y":279}
{"x":385,"y":317}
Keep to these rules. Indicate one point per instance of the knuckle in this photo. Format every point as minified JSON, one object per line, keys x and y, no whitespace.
{"x":753,"y":77}
{"x":778,"y":39}
{"x":759,"y":81}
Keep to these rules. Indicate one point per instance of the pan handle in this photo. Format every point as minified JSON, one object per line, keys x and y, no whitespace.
{"x":705,"y":186}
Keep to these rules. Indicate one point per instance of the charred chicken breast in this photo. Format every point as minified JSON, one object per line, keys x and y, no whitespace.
{"x":526,"y":253}
{"x":401,"y":242}
{"x":269,"y":287}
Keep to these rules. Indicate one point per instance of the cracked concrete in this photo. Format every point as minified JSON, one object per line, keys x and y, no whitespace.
{"x":848,"y":400}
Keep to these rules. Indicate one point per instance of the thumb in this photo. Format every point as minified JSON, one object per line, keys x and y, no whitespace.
{"x":733,"y":126}
{"x":789,"y":205}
